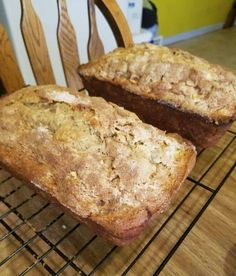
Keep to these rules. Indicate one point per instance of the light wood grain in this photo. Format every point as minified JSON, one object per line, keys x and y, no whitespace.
{"x":218,"y":171}
{"x":233,"y":127}
{"x":37,"y":50}
{"x":210,"y":249}
{"x":36,"y":44}
{"x":10,"y":74}
{"x":68,"y":47}
{"x":95,"y":46}
{"x":117,"y":21}
{"x":209,"y":156}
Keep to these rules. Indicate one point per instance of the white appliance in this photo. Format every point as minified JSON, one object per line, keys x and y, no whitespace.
{"x":134,"y":15}
{"x":47,"y":11}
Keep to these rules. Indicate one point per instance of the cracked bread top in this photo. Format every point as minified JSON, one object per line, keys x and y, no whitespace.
{"x":171,"y":76}
{"x":94,"y":157}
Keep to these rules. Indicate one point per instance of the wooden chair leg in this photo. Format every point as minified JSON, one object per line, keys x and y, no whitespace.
{"x":231,"y":17}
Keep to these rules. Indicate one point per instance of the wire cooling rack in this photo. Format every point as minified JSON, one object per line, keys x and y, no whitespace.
{"x":37,"y":238}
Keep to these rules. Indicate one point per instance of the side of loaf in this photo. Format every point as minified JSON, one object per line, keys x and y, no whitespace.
{"x":95,"y":159}
{"x":168,"y":88}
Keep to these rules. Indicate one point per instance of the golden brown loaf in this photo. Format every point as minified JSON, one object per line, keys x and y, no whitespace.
{"x":168,"y":88}
{"x":97,"y":160}
{"x":171,"y":76}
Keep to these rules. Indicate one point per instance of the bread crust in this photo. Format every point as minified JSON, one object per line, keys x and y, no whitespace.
{"x":121,"y":233}
{"x":45,"y":169}
{"x":201,"y":131}
{"x":168,"y":88}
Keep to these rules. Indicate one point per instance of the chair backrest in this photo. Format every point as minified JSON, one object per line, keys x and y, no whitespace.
{"x":36,"y":46}
{"x":10,"y":75}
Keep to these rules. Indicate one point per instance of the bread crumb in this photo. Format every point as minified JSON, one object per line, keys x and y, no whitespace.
{"x":64,"y":226}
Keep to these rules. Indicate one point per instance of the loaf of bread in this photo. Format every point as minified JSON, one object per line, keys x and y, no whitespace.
{"x":97,"y":160}
{"x":168,"y":88}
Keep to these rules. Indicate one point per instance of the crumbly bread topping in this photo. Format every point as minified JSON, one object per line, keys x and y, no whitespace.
{"x":172,"y":76}
{"x":99,"y":158}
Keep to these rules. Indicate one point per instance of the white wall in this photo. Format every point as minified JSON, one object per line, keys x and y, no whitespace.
{"x":48,"y":13}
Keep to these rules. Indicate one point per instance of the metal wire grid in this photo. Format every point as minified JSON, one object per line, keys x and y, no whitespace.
{"x":69,"y":260}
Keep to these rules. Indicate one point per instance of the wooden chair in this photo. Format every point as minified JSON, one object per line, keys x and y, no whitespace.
{"x":35,"y":44}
